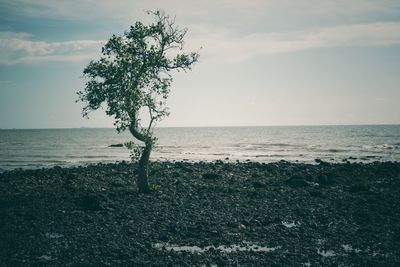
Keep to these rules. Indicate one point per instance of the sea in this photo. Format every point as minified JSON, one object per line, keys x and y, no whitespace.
{"x":39,"y":148}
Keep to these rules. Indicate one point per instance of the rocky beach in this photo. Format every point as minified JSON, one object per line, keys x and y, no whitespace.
{"x":202,"y":214}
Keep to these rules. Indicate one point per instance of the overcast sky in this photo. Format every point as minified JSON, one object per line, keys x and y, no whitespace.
{"x":263,"y":62}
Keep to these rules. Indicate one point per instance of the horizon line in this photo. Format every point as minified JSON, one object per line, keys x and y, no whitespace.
{"x":213,"y":126}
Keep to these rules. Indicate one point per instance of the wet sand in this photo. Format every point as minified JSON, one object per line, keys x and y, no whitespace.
{"x":246,"y":214}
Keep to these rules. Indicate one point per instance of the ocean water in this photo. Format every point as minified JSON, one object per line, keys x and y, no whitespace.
{"x":66,"y":147}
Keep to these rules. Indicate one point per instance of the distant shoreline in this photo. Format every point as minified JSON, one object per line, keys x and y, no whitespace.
{"x":228,"y":126}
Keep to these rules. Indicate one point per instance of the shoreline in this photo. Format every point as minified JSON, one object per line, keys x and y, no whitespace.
{"x":245,"y":213}
{"x":225,"y":160}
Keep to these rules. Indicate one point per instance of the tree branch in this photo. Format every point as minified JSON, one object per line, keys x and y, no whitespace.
{"x":151,"y":120}
{"x":136,"y":133}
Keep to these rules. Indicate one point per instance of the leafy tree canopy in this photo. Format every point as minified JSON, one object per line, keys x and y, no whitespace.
{"x":134,"y":72}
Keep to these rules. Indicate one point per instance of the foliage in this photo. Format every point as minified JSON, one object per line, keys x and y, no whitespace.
{"x":136,"y":150}
{"x":134,"y":73}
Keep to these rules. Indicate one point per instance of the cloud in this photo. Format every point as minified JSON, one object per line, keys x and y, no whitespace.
{"x":218,"y":43}
{"x":233,"y":47}
{"x":18,"y":47}
{"x":128,"y":10}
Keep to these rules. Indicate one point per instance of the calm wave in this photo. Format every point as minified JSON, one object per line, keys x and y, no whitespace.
{"x":64,"y":147}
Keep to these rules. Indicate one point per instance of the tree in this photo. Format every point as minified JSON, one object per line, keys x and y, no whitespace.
{"x":134,"y":74}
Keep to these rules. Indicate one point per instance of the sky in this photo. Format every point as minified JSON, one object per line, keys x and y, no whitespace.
{"x":262,"y":62}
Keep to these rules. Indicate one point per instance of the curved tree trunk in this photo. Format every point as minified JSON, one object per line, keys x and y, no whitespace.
{"x":143,"y":170}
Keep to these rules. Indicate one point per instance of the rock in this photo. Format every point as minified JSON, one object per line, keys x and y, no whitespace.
{"x":358,"y":188}
{"x":71,"y":176}
{"x":44,"y":258}
{"x":211,"y":176}
{"x":258,"y":184}
{"x":321,"y":162}
{"x":163,"y":237}
{"x":176,"y":174}
{"x":224,"y":212}
{"x":297,"y":181}
{"x":326,"y":179}
{"x":116,"y":145}
{"x":242,"y":226}
{"x":90,"y":202}
{"x":316,"y":194}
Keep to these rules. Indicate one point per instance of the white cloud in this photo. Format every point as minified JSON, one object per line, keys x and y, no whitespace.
{"x":20,"y":48}
{"x":218,"y":43}
{"x":222,"y":44}
{"x":128,"y":10}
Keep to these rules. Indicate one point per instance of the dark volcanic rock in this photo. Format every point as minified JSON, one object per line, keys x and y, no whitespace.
{"x":316,"y":193}
{"x":116,"y":145}
{"x":258,"y":184}
{"x":326,"y":179}
{"x":320,"y":161}
{"x":94,"y":216}
{"x":90,"y":202}
{"x":211,"y":176}
{"x":358,"y":188}
{"x":297,"y":181}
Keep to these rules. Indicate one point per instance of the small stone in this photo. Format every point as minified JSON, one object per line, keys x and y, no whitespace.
{"x":358,"y":188}
{"x":163,"y":238}
{"x":316,"y":194}
{"x":90,"y":202}
{"x":297,"y":181}
{"x":326,"y":179}
{"x":321,"y":162}
{"x":211,"y":176}
{"x":258,"y":184}
{"x":71,"y":176}
{"x":44,"y":258}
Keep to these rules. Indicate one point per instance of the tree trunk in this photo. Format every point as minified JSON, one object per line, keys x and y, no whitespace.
{"x":143,"y":170}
